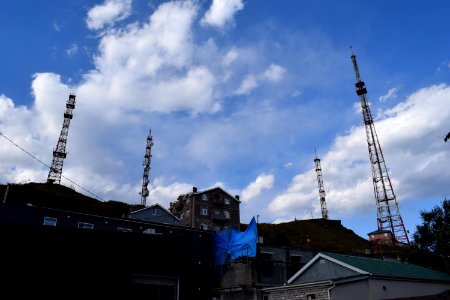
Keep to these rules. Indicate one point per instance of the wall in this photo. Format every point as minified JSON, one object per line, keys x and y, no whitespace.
{"x":301,"y":292}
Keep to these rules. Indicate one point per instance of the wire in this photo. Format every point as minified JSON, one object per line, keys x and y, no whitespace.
{"x":49,"y":166}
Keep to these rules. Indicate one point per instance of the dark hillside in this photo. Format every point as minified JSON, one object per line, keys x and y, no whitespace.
{"x":317,"y":234}
{"x":62,"y":197}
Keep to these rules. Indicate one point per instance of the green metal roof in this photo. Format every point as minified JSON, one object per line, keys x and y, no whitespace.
{"x":389,"y":268}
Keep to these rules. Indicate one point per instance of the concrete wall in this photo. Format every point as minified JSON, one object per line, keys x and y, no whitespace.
{"x":301,"y":292}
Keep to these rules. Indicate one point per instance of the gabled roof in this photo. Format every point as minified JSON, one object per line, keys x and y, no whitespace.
{"x":216,"y":188}
{"x":377,"y":267}
{"x":152,"y":206}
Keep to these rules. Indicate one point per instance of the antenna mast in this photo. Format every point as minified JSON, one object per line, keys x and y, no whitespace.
{"x":59,"y":153}
{"x":388,"y":213}
{"x":147,"y":159}
{"x":323,"y":204}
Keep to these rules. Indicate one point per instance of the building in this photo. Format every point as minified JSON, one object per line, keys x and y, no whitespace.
{"x":382,"y":237}
{"x":54,"y":253}
{"x":211,"y":209}
{"x":154,"y":213}
{"x":337,"y":276}
{"x":244,"y":278}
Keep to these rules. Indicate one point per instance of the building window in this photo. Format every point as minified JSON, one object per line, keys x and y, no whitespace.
{"x":204,"y":197}
{"x":153,"y":211}
{"x":84,"y":225}
{"x":123,"y":229}
{"x":48,"y":221}
{"x":227,"y":214}
{"x":310,"y":296}
{"x":204,"y":226}
{"x":204,"y":211}
{"x":227,"y":201}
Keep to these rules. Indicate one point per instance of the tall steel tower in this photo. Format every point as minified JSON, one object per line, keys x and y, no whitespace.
{"x":147,"y":159}
{"x":59,"y":153}
{"x":323,"y":204}
{"x":388,"y":213}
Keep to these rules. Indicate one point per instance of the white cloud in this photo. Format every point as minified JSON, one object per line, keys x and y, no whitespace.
{"x":163,"y":195}
{"x":73,"y":49}
{"x":392,"y":93}
{"x":230,"y":57}
{"x":249,"y":83}
{"x":288,"y":164}
{"x":221,"y":12}
{"x":296,"y":93}
{"x":108,"y":13}
{"x":413,"y":151}
{"x":274,"y":73}
{"x":254,"y":189}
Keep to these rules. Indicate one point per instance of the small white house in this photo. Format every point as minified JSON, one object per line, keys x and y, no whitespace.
{"x":337,"y":276}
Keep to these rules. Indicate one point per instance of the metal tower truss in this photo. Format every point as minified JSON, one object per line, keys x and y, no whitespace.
{"x":147,"y":160}
{"x":323,"y":204}
{"x":59,"y":153}
{"x":388,"y":213}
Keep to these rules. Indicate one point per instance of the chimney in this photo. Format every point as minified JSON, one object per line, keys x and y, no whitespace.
{"x":194,"y":189}
{"x":237,"y":197}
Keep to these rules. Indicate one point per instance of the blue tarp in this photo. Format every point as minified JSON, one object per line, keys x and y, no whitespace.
{"x":231,"y":244}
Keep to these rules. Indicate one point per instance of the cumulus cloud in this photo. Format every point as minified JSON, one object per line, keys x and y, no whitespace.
{"x":254,"y":189}
{"x":274,"y":73}
{"x":221,"y":12}
{"x":164,"y":194}
{"x":108,"y":13}
{"x":156,"y":59}
{"x":412,"y":150}
{"x":392,"y":93}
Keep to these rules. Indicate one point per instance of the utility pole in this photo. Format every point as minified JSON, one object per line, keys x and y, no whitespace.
{"x":59,"y":153}
{"x":388,"y":213}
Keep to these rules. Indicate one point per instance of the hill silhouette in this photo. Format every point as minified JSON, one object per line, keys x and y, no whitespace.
{"x":64,"y":198}
{"x":317,"y":234}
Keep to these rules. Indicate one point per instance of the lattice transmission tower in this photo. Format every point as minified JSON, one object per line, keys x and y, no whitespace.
{"x":323,"y":204}
{"x":147,"y":160}
{"x":388,"y":213}
{"x":59,"y":153}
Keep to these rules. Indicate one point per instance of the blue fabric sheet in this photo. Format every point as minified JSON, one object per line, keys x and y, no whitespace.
{"x":231,"y":244}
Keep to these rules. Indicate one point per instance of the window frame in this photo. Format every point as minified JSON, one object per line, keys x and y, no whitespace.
{"x":50,"y":221}
{"x":85,"y":225}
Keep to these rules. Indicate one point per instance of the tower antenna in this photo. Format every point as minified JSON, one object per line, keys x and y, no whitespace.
{"x":147,"y":160}
{"x":59,"y":153}
{"x":323,"y":204}
{"x":388,"y":213}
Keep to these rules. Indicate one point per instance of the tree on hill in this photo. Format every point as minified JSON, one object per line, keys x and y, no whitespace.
{"x":433,"y":235}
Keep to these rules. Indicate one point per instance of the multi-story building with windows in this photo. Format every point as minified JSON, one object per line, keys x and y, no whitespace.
{"x":211,"y":209}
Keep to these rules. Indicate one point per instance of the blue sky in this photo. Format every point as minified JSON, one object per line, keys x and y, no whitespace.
{"x":238,"y":94}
